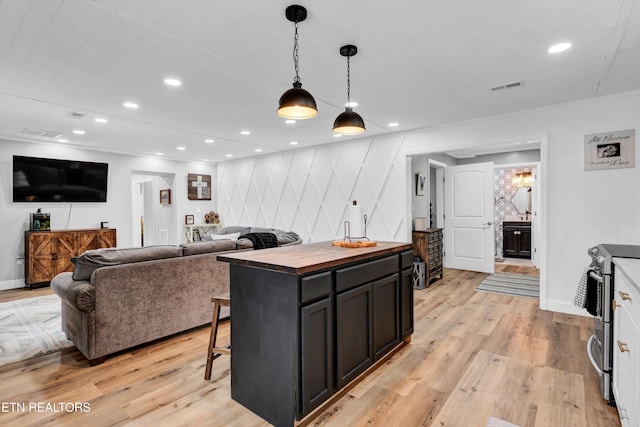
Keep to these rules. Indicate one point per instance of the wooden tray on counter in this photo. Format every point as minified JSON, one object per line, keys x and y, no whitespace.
{"x":354,"y":244}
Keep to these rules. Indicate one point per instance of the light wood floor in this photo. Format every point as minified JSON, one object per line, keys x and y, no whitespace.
{"x":473,"y":355}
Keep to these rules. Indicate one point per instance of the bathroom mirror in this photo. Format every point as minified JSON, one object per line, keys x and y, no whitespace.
{"x":522,"y":200}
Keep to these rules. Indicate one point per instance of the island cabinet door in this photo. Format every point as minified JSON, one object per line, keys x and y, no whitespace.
{"x":354,"y":350}
{"x":406,"y":303}
{"x":386,"y":319}
{"x":316,"y":354}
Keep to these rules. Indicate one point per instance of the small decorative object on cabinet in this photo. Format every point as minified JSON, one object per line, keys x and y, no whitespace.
{"x":188,"y":219}
{"x":48,"y":253}
{"x":40,"y":221}
{"x":427,"y":244}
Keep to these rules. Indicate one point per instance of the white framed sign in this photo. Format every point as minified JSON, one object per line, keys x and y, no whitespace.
{"x":609,"y":150}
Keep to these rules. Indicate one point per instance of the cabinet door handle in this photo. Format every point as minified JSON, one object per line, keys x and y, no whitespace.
{"x":623,"y":346}
{"x":624,"y":296}
{"x":614,"y":304}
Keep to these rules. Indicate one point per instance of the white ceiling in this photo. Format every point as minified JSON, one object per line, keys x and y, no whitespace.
{"x":420,"y":63}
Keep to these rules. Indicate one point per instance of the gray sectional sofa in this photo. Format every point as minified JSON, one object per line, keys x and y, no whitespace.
{"x":116,"y":298}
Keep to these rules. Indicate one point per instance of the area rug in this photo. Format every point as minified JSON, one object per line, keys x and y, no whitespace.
{"x":497,"y":422}
{"x":511,"y":284}
{"x":30,"y":327}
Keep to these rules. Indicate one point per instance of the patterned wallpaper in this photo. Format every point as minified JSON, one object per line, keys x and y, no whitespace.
{"x":503,"y":191}
{"x":308,"y":190}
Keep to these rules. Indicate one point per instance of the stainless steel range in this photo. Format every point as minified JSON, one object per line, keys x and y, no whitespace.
{"x":601,"y":279}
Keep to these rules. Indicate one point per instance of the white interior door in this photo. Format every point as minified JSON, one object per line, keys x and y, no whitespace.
{"x":469,"y":239}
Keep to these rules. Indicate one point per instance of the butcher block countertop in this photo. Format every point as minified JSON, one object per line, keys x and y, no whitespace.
{"x":305,"y":258}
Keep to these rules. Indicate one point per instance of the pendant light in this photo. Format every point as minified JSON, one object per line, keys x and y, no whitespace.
{"x":297,"y":103}
{"x":348,"y":122}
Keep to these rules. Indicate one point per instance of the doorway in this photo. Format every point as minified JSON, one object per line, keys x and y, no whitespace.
{"x":508,"y":163}
{"x":153,"y":222}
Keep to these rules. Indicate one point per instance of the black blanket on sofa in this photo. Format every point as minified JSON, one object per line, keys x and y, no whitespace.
{"x":261,"y":240}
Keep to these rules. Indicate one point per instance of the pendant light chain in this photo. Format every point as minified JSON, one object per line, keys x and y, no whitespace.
{"x":296,"y":56}
{"x":348,"y":81}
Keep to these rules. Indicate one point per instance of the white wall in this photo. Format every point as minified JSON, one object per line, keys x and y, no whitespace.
{"x":307,"y":190}
{"x":580,"y":208}
{"x":14,"y":217}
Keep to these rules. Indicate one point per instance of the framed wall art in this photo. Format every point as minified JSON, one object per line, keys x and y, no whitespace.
{"x":165,"y":197}
{"x":188,"y":219}
{"x":421,"y":182}
{"x":198,"y":187}
{"x":609,"y":150}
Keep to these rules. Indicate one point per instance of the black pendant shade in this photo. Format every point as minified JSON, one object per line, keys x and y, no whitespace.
{"x":296,"y":103}
{"x":348,"y":122}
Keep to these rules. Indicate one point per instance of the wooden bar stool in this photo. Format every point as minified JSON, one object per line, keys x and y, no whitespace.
{"x":214,"y":352}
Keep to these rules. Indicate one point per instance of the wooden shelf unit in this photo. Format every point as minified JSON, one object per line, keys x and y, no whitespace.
{"x":427,"y":244}
{"x":47,"y":253}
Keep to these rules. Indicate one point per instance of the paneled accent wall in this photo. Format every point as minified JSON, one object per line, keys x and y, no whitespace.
{"x":308,"y":190}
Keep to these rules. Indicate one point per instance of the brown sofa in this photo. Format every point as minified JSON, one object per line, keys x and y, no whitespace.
{"x":116,"y":298}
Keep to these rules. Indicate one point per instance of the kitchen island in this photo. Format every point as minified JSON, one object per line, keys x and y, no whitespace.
{"x":309,"y":319}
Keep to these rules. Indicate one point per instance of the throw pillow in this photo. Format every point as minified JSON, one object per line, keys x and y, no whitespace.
{"x":214,"y":236}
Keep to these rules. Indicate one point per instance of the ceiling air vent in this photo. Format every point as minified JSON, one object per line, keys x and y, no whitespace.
{"x":75,"y":115}
{"x":42,"y":133}
{"x":507,"y":86}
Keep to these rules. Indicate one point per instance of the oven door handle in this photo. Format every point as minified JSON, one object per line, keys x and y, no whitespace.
{"x":591,"y":358}
{"x":598,"y":277}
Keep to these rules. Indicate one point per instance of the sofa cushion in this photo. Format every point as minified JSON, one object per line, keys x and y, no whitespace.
{"x":96,"y":258}
{"x":204,"y":247}
{"x":235,"y":229}
{"x":215,"y":236}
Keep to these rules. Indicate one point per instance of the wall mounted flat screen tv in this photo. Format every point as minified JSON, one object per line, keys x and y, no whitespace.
{"x":54,"y":180}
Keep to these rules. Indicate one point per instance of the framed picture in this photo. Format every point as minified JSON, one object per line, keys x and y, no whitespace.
{"x":609,"y":150}
{"x":165,"y":197}
{"x":188,"y":219}
{"x":198,"y":187}
{"x":421,"y":182}
{"x":196,"y":235}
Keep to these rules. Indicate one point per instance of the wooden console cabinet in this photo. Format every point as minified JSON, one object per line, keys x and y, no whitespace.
{"x":427,"y":244}
{"x":47,"y":253}
{"x":309,"y":319}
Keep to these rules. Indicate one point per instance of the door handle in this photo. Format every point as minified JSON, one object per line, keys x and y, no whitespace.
{"x":487,"y":224}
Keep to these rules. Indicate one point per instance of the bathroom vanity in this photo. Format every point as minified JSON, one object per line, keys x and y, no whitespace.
{"x":516,"y":239}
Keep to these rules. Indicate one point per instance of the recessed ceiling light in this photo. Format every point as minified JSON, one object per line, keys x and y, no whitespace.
{"x":352,"y":104}
{"x":293,"y":143}
{"x":289,"y":121}
{"x":100,"y":120}
{"x":393,"y":124}
{"x":62,"y":140}
{"x":245,"y":132}
{"x":560,"y":47}
{"x":229,"y":155}
{"x":209,"y":141}
{"x":170,"y":81}
{"x":159,"y":154}
{"x":78,"y":131}
{"x":206,"y":160}
{"x":258,"y":150}
{"x":131,"y":105}
{"x":181,"y":148}
{"x":337,"y":135}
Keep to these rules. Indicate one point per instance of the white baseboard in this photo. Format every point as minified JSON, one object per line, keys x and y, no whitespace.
{"x":11,"y":284}
{"x":565,"y":307}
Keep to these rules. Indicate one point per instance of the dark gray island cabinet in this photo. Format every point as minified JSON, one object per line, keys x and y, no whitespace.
{"x":308,"y":319}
